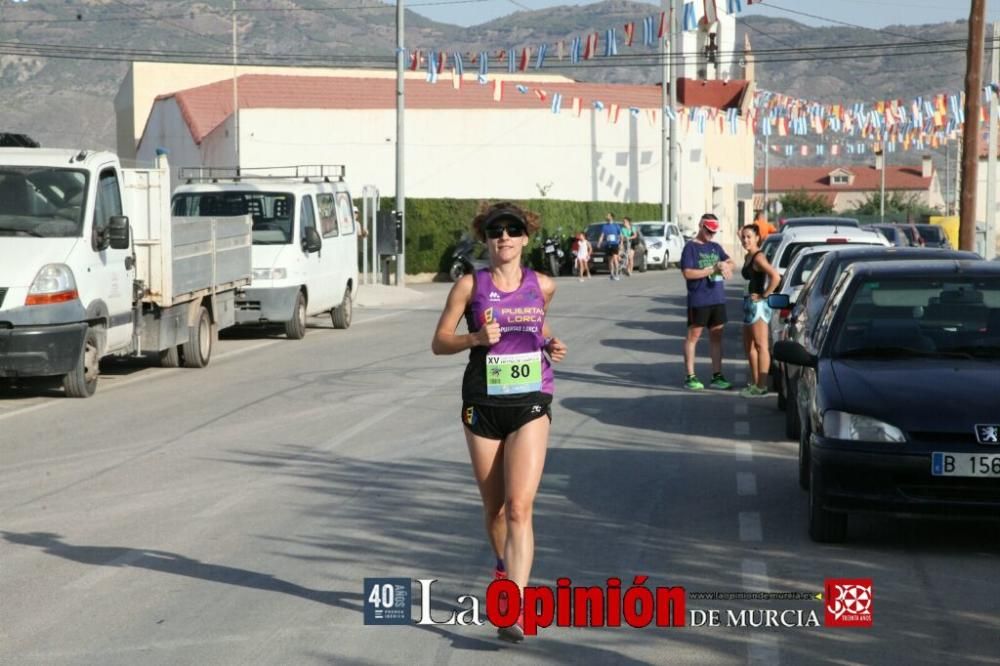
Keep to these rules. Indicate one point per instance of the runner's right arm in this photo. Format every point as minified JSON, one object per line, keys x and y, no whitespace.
{"x":446,"y":340}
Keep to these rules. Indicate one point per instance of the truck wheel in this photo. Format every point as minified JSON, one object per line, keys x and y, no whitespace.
{"x":171,"y":357}
{"x":341,"y":315}
{"x":295,"y":328}
{"x":198,"y":349}
{"x":81,"y":382}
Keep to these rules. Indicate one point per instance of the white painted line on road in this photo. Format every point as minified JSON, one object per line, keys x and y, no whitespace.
{"x":746,"y":484}
{"x":744,"y":452}
{"x":750,"y":529}
{"x":106,"y":570}
{"x":763,"y":649}
{"x":741,"y":409}
{"x":741,"y":428}
{"x":755,"y":578}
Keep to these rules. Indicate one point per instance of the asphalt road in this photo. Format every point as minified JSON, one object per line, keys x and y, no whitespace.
{"x":229,"y":515}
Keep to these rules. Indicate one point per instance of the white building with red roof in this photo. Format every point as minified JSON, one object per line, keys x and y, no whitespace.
{"x":460,"y":143}
{"x":847,"y":187}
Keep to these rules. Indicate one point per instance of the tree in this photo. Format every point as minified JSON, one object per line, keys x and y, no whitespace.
{"x":802,"y":203}
{"x":895,"y":202}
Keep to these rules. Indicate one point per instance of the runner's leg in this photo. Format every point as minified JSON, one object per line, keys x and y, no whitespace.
{"x":760,"y":334}
{"x":751,"y":351}
{"x":523,"y":460}
{"x":715,"y":347}
{"x":487,"y":466}
{"x":693,"y":334}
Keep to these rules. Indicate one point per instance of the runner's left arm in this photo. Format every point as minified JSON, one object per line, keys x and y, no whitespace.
{"x":554,"y":346}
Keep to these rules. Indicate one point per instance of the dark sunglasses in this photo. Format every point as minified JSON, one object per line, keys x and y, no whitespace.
{"x":513,"y":229}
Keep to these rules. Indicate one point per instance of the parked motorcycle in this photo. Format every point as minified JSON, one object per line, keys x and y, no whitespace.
{"x":467,"y":257}
{"x":554,"y":254}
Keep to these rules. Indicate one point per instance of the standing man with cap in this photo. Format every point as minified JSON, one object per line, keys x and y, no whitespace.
{"x":706,"y":266}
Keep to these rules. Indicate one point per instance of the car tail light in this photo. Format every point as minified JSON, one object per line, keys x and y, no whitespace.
{"x":784,"y":314}
{"x":831,"y":241}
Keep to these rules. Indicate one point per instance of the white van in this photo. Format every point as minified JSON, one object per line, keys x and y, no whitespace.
{"x":305,"y":244}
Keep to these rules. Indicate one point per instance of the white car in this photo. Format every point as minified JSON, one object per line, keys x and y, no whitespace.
{"x":791,"y":284}
{"x":796,"y":239}
{"x":664,"y":242}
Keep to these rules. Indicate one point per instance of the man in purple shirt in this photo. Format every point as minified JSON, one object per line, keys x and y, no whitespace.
{"x":706,"y":266}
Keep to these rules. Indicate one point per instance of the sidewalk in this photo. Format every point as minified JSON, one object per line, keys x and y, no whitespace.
{"x":380,"y":295}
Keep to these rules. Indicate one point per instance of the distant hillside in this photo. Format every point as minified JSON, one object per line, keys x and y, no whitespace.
{"x":69,"y":101}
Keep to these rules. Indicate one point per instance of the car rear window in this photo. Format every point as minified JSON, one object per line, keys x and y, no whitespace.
{"x":931,"y":233}
{"x":923,"y":315}
{"x":805,"y":268}
{"x":770,"y":246}
{"x":651,"y":229}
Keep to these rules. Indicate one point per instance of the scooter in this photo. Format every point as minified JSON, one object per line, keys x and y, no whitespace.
{"x":554,"y":255}
{"x":466,"y":258}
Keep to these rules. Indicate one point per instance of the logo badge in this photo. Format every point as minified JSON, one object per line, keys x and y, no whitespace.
{"x":988,"y":433}
{"x":388,"y":600}
{"x":848,"y":602}
{"x":494,"y":296}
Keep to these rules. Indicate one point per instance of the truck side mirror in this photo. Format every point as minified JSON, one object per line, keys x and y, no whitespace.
{"x":117,"y":235}
{"x":312,"y":242}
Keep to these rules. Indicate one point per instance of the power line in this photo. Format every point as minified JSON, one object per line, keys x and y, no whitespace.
{"x":767,"y":3}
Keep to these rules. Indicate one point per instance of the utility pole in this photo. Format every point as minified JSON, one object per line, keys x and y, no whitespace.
{"x":880,"y":165}
{"x":991,"y":165}
{"x":767,"y":173}
{"x":665,"y":101}
{"x":236,"y":98}
{"x":400,"y":109}
{"x":970,"y":135}
{"x":677,"y":49}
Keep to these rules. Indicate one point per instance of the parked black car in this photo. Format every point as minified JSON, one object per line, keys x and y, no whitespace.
{"x":898,"y":393}
{"x":933,"y":235}
{"x":812,"y":297}
{"x":895,"y":235}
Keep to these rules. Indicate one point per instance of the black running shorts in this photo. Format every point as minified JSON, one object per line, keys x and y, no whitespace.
{"x":495,"y":422}
{"x":709,"y":316}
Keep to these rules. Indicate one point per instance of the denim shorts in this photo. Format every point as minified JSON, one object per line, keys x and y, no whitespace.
{"x":754,"y":311}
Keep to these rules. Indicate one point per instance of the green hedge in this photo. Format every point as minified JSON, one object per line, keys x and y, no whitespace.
{"x":433,"y":226}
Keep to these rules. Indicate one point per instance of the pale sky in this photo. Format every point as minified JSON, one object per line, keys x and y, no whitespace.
{"x":868,"y":13}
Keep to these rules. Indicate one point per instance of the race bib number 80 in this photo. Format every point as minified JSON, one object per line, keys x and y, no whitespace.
{"x":513,"y":373}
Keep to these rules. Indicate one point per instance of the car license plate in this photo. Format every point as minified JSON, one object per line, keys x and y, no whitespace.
{"x":986,"y":465}
{"x":598,"y":260}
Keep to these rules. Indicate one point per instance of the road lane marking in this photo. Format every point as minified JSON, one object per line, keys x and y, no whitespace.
{"x":744,"y":452}
{"x":763,"y":650}
{"x":750,"y":529}
{"x":741,"y":428}
{"x":754,"y":574}
{"x":746,"y":484}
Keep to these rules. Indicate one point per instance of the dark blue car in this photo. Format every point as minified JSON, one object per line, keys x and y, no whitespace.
{"x":899,"y":393}
{"x":812,"y":297}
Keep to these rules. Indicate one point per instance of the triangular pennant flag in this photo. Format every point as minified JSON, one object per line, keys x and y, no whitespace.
{"x":577,"y":108}
{"x":556,"y":102}
{"x":711,"y":13}
{"x":541,"y":94}
{"x":525,"y":57}
{"x":497,"y":90}
{"x":629,"y":33}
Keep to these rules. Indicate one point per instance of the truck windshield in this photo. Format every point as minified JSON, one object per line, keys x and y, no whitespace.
{"x":43,"y":202}
{"x":271,"y":211}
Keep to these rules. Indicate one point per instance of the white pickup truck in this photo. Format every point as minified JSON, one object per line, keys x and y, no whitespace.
{"x":92,"y":264}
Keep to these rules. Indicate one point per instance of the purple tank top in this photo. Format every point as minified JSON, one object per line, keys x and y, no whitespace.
{"x":521,"y":315}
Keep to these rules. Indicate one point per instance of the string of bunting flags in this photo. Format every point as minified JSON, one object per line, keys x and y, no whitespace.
{"x":697,"y":15}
